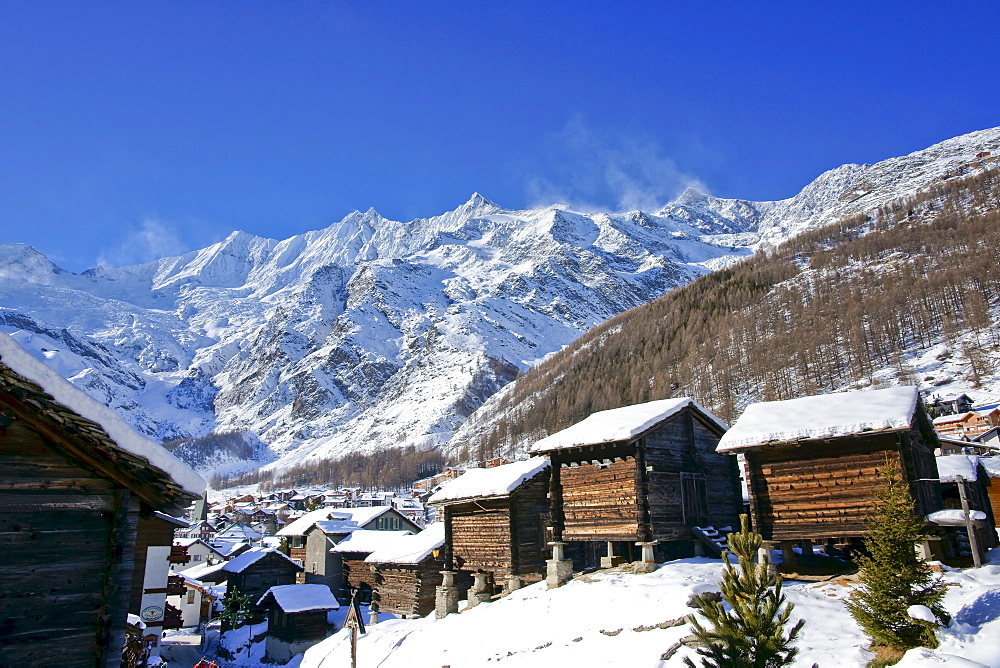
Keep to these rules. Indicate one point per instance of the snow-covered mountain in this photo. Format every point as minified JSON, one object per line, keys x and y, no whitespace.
{"x":376,"y":333}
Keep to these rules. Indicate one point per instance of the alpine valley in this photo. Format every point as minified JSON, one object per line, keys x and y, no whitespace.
{"x":374,"y":333}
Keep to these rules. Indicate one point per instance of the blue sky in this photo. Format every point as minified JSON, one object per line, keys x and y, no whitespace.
{"x":134,"y":130}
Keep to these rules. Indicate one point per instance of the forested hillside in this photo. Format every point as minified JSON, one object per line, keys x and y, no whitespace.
{"x":848,"y":305}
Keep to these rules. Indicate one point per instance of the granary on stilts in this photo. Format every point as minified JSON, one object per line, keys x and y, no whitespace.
{"x":357,"y":579}
{"x":79,"y":495}
{"x":296,"y":619}
{"x":811,"y":462}
{"x":495,"y":523}
{"x":645,"y":474}
{"x":406,"y":570}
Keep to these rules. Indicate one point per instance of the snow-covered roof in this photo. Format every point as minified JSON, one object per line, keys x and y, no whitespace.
{"x":952,"y":466}
{"x":228,"y":547}
{"x":367,"y":540}
{"x":992,"y":465}
{"x":251,"y":557}
{"x":409,"y":549}
{"x":339,"y":520}
{"x":954,"y":517}
{"x":124,"y":436}
{"x":239,"y":531}
{"x":957,"y":417}
{"x":301,"y":597}
{"x":821,"y":416}
{"x":619,"y":424}
{"x":496,"y":481}
{"x":204,"y":571}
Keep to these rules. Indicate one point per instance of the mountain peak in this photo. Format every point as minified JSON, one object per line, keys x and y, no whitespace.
{"x":477,"y":201}
{"x":691,"y":196}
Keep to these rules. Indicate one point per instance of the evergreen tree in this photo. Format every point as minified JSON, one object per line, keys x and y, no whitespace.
{"x":751,"y":634}
{"x":892,"y":576}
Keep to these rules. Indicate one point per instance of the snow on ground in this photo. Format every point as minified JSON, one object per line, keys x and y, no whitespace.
{"x":611,"y":617}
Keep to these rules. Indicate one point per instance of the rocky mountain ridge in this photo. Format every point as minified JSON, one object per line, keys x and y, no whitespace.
{"x":375,"y":333}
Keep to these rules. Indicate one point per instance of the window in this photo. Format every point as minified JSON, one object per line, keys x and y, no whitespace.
{"x":196,"y":557}
{"x":190,"y":596}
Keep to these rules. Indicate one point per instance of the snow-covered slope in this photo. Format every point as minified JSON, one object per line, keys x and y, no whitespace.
{"x":374,"y":333}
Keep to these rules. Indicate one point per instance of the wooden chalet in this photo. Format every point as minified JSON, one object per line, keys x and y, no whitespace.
{"x":258,"y":569}
{"x":646,"y":473}
{"x":407,"y":570}
{"x":297,"y":619}
{"x":353,"y":550}
{"x":811,"y":462}
{"x":495,"y":521}
{"x":76,"y":485}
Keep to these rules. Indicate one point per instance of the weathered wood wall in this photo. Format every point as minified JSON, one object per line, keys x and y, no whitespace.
{"x":599,"y":502}
{"x":685,"y":444}
{"x":407,"y":589}
{"x":480,"y":536}
{"x":66,"y":564}
{"x":299,"y":626}
{"x":356,"y":573}
{"x":529,"y":505}
{"x":824,"y":490}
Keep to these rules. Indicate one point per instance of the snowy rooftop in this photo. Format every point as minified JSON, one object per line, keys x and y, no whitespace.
{"x":496,"y":481}
{"x":619,"y":424}
{"x":952,"y":466}
{"x":251,"y":557}
{"x":409,"y":549}
{"x":301,"y":597}
{"x":822,"y":416}
{"x":367,"y":540}
{"x":340,"y":520}
{"x":125,"y":437}
{"x":957,"y":417}
{"x":992,"y":465}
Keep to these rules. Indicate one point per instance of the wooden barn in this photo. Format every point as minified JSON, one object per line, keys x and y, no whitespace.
{"x":495,"y":521}
{"x":353,"y":551}
{"x":811,"y":462}
{"x":296,"y":619}
{"x":76,"y":484}
{"x":965,"y":483}
{"x":646,"y":473}
{"x":258,"y":569}
{"x":407,"y":570}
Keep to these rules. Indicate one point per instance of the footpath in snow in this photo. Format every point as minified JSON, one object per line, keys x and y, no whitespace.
{"x":617,"y":618}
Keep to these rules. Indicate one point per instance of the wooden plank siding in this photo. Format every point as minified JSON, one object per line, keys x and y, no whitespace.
{"x":824,"y":489}
{"x":407,"y":589}
{"x":59,"y":530}
{"x":634,"y":490}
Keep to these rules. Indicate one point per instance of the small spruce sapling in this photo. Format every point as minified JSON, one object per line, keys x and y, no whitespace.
{"x":892,"y":576}
{"x":751,"y":634}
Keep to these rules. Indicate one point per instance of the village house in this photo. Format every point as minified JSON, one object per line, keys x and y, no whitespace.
{"x":406,"y":572}
{"x":258,"y":569}
{"x":75,"y":479}
{"x":968,"y":424}
{"x":194,"y":600}
{"x":949,"y":404}
{"x":311,"y":536}
{"x":646,"y":475}
{"x":296,"y":619}
{"x":352,"y":551}
{"x":199,"y":553}
{"x":811,"y":462}
{"x":495,"y":522}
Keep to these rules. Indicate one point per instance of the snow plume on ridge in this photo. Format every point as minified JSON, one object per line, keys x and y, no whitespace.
{"x":627,"y":172}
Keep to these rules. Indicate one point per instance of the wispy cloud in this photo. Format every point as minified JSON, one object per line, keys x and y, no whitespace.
{"x":151,"y":240}
{"x":591,"y":169}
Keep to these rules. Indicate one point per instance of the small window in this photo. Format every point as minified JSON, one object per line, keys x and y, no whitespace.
{"x":190,"y":596}
{"x":196,"y":557}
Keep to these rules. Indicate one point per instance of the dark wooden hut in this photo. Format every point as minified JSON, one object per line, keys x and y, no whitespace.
{"x":965,"y":482}
{"x":258,"y":569}
{"x":495,"y":521}
{"x":353,"y":550}
{"x":74,"y":484}
{"x":646,"y":473}
{"x":406,"y":570}
{"x":296,"y":619}
{"x":811,"y":462}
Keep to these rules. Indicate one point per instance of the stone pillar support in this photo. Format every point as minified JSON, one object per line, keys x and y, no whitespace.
{"x":558,"y":569}
{"x":446,"y":596}
{"x":482,"y":590}
{"x":647,"y":564}
{"x":611,"y":560}
{"x":513,"y":582}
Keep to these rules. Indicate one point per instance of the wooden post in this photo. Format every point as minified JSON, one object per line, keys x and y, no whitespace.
{"x":973,"y":539}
